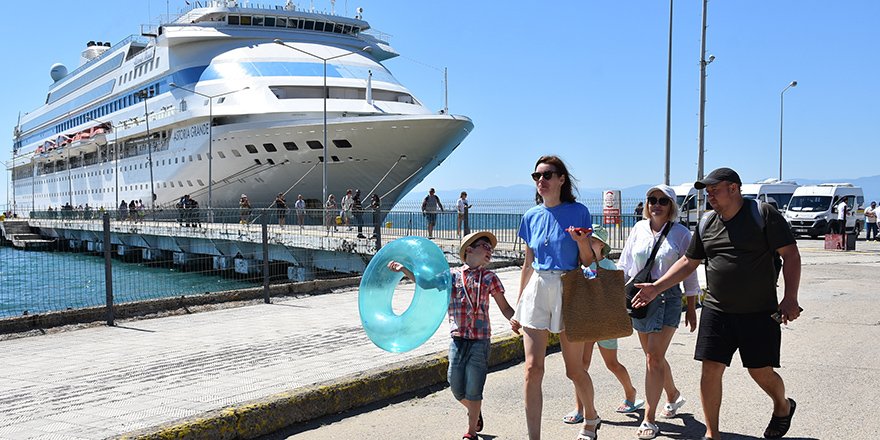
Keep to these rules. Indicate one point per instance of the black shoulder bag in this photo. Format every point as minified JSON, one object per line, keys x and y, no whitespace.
{"x":644,"y":276}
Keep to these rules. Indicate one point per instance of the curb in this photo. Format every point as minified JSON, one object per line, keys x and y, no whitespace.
{"x":260,"y":417}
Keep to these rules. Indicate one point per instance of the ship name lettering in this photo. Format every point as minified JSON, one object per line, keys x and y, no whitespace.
{"x":191,"y":132}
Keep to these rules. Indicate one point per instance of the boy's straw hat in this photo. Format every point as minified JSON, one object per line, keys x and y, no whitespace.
{"x":469,"y":239}
{"x":601,"y":234}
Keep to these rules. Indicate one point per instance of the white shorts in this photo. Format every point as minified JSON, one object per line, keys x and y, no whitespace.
{"x":540,"y":306}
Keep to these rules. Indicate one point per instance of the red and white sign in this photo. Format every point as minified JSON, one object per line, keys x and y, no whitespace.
{"x":611,"y":207}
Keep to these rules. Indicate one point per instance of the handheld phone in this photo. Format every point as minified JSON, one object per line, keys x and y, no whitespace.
{"x":777,"y":316}
{"x":580,"y":230}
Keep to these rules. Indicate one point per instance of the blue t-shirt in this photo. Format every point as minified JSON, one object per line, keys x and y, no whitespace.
{"x":544,"y":231}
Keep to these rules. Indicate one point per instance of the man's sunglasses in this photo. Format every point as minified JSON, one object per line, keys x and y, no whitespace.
{"x":663,"y":201}
{"x":547,"y":175}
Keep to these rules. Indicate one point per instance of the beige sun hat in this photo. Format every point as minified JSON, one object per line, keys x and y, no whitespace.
{"x":469,"y":239}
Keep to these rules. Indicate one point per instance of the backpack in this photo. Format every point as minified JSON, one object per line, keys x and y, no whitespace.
{"x":758,"y":215}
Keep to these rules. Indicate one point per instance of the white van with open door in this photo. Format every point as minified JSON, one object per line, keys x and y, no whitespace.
{"x":773,"y":191}
{"x":813,"y":207}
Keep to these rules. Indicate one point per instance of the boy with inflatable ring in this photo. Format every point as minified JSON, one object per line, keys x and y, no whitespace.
{"x":472,"y":285}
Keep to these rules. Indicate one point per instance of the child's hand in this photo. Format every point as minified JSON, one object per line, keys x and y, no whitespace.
{"x":395,"y":266}
{"x":515,"y":325}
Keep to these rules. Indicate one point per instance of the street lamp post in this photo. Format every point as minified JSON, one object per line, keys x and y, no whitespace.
{"x":210,"y":99}
{"x":115,"y":159}
{"x":144,"y":94}
{"x":700,"y":141}
{"x":325,"y":93}
{"x":666,"y":179}
{"x":781,"y":106}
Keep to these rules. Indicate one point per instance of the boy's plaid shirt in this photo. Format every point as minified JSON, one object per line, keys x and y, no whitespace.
{"x":469,"y":315}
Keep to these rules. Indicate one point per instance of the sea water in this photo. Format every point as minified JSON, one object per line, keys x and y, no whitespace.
{"x":38,"y":282}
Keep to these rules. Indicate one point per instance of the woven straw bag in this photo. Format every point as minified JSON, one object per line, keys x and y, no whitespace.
{"x":594,"y":309}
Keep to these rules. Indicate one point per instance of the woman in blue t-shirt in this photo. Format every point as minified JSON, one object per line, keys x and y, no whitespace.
{"x":552,"y":248}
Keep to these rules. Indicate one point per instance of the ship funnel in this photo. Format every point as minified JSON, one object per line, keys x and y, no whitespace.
{"x":93,"y":50}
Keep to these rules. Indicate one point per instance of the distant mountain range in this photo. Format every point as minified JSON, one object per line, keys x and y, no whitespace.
{"x":871,"y":186}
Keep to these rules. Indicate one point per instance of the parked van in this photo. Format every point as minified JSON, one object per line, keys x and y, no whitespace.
{"x":773,"y":191}
{"x":686,"y":199}
{"x":813,"y":207}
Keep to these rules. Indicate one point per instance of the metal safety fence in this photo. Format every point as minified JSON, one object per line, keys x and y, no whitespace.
{"x":82,"y":260}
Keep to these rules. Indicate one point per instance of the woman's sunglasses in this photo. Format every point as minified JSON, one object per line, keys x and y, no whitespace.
{"x":663,"y":201}
{"x":547,"y":175}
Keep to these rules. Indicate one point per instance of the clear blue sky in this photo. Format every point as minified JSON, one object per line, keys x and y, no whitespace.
{"x":582,"y":79}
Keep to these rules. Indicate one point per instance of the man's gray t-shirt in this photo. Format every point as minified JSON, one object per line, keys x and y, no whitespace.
{"x":740,"y":270}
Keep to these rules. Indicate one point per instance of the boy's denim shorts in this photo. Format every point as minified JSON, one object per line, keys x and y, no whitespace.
{"x":468,"y":367}
{"x":664,"y":311}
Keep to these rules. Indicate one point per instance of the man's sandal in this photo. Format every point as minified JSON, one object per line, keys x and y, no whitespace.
{"x":469,"y":436}
{"x":779,"y":426}
{"x":591,"y":435}
{"x":648,"y":431}
{"x":480,"y":422}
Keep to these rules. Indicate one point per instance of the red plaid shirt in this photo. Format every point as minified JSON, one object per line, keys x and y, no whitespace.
{"x":469,"y":304}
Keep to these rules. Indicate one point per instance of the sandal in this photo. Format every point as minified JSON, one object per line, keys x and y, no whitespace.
{"x":670,"y":410}
{"x":778,"y":426}
{"x":591,"y":435}
{"x":647,"y":427}
{"x":480,"y":422}
{"x":628,"y":407}
{"x":469,"y":436}
{"x":573,"y":418}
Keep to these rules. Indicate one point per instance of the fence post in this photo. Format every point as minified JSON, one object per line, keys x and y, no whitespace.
{"x":108,"y":269}
{"x":265,"y":228}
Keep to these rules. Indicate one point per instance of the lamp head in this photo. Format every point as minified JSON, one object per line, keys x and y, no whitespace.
{"x":711,"y":58}
{"x":793,"y":84}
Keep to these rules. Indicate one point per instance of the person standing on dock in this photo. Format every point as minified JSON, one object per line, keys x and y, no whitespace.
{"x":429,"y":208}
{"x":358,"y":209}
{"x":244,"y":210}
{"x":347,"y":204}
{"x":462,"y":206}
{"x":300,"y":206}
{"x":281,"y":206}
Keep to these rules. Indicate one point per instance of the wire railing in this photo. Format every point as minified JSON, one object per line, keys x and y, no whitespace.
{"x":142,"y":255}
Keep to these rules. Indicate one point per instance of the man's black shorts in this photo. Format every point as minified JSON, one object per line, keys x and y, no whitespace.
{"x":756,"y":335}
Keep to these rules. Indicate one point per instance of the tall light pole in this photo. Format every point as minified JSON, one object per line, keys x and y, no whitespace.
{"x":781,"y":106}
{"x":210,"y":99}
{"x":668,"y":99}
{"x":144,"y":94}
{"x":700,"y":141}
{"x":326,"y":92}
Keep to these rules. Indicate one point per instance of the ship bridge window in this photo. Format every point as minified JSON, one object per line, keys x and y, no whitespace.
{"x":270,"y":21}
{"x":245,"y":20}
{"x":251,"y":149}
{"x":281,"y":22}
{"x":258,"y":21}
{"x":315,"y":145}
{"x":341,"y":143}
{"x":290,"y":146}
{"x":233,"y":19}
{"x":309,"y":25}
{"x":270,"y":148}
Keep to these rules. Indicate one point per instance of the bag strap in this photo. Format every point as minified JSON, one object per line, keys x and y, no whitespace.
{"x":666,"y":229}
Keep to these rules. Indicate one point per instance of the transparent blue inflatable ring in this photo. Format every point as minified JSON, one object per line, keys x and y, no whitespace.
{"x":404,"y":332}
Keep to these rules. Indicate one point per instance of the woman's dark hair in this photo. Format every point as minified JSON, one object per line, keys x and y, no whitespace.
{"x":566,"y":193}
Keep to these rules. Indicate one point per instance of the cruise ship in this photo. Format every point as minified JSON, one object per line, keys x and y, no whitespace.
{"x":230,"y":99}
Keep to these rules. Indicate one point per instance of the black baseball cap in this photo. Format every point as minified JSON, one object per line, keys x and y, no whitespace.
{"x":717,"y":176}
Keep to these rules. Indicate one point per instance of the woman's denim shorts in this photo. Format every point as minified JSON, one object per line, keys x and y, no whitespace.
{"x":664,"y":311}
{"x":468,"y":367}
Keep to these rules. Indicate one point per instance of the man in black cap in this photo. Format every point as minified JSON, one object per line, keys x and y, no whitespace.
{"x":739,"y":241}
